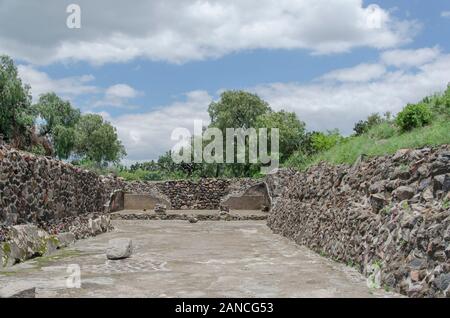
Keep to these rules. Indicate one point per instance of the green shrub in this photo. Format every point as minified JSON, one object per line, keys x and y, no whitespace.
{"x":372,"y":120}
{"x":38,"y":149}
{"x":297,"y":160}
{"x":440,"y":103}
{"x":139,"y":174}
{"x":413,"y":116}
{"x":322,"y":142}
{"x":382,"y":131}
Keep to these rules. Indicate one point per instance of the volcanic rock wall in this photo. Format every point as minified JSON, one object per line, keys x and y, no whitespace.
{"x":36,"y":189}
{"x":187,"y":194}
{"x":42,"y":191}
{"x":388,"y":216}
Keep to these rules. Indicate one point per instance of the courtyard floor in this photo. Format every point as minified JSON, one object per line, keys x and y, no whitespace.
{"x":180,"y":259}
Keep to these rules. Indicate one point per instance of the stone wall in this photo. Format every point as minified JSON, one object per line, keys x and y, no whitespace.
{"x":36,"y":189}
{"x":41,"y":190}
{"x":202,"y":194}
{"x":388,"y":216}
{"x":45,"y":204}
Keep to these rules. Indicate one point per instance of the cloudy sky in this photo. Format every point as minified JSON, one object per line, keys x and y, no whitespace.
{"x":149,"y":66}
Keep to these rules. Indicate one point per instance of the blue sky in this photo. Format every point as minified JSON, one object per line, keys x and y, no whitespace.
{"x":149,"y":70}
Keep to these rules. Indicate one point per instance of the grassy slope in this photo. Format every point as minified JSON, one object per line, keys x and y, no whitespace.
{"x":379,"y":141}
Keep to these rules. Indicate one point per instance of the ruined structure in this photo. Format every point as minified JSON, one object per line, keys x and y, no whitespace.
{"x":388,"y":216}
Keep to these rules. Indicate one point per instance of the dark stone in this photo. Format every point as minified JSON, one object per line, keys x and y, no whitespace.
{"x":440,"y":167}
{"x":401,"y":173}
{"x":377,"y":201}
{"x":446,"y":184}
{"x":442,"y":281}
{"x":441,"y":183}
{"x":192,"y":219}
{"x":418,"y":263}
{"x":404,"y":193}
{"x":28,"y":293}
{"x":377,"y":187}
{"x":423,"y":184}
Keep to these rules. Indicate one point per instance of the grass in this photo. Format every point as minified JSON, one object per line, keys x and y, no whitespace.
{"x":381,"y":140}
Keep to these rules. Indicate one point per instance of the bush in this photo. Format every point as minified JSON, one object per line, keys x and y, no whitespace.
{"x":382,"y":131}
{"x":440,"y":103}
{"x":322,"y":141}
{"x":297,"y":160}
{"x":140,"y":174}
{"x":413,"y":116}
{"x":363,"y":126}
{"x":360,"y":128}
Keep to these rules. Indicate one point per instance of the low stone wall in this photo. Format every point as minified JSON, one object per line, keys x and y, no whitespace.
{"x":204,"y":194}
{"x":185,"y":217}
{"x":388,"y":216}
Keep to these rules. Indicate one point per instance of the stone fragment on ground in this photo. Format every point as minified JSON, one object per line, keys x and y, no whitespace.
{"x":27,"y":241}
{"x":160,"y":209}
{"x":192,"y":219}
{"x":119,"y":248}
{"x":65,"y":239}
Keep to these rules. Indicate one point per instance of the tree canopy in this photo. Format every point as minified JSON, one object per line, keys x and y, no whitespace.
{"x":97,"y":140}
{"x":15,"y":104}
{"x":291,"y":129}
{"x":237,"y":109}
{"x":52,"y":126}
{"x":58,"y":120}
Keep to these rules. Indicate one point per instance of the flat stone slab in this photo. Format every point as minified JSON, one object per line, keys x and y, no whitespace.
{"x":179,"y":259}
{"x":134,"y":201}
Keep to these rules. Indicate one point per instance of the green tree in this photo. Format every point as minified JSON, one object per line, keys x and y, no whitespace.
{"x":58,"y":123}
{"x":16,"y":117}
{"x":291,"y":129}
{"x":97,"y":140}
{"x":236,"y":109}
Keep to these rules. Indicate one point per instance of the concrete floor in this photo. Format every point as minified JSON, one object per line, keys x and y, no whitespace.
{"x":179,"y":259}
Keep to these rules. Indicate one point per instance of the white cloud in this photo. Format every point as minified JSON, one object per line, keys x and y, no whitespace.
{"x":67,"y":87}
{"x":121,"y":91}
{"x":323,"y":104}
{"x":328,"y":105}
{"x":359,"y":73}
{"x":445,"y":14}
{"x":180,"y":31}
{"x":147,"y":135}
{"x":410,"y":58}
{"x":118,"y":95}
